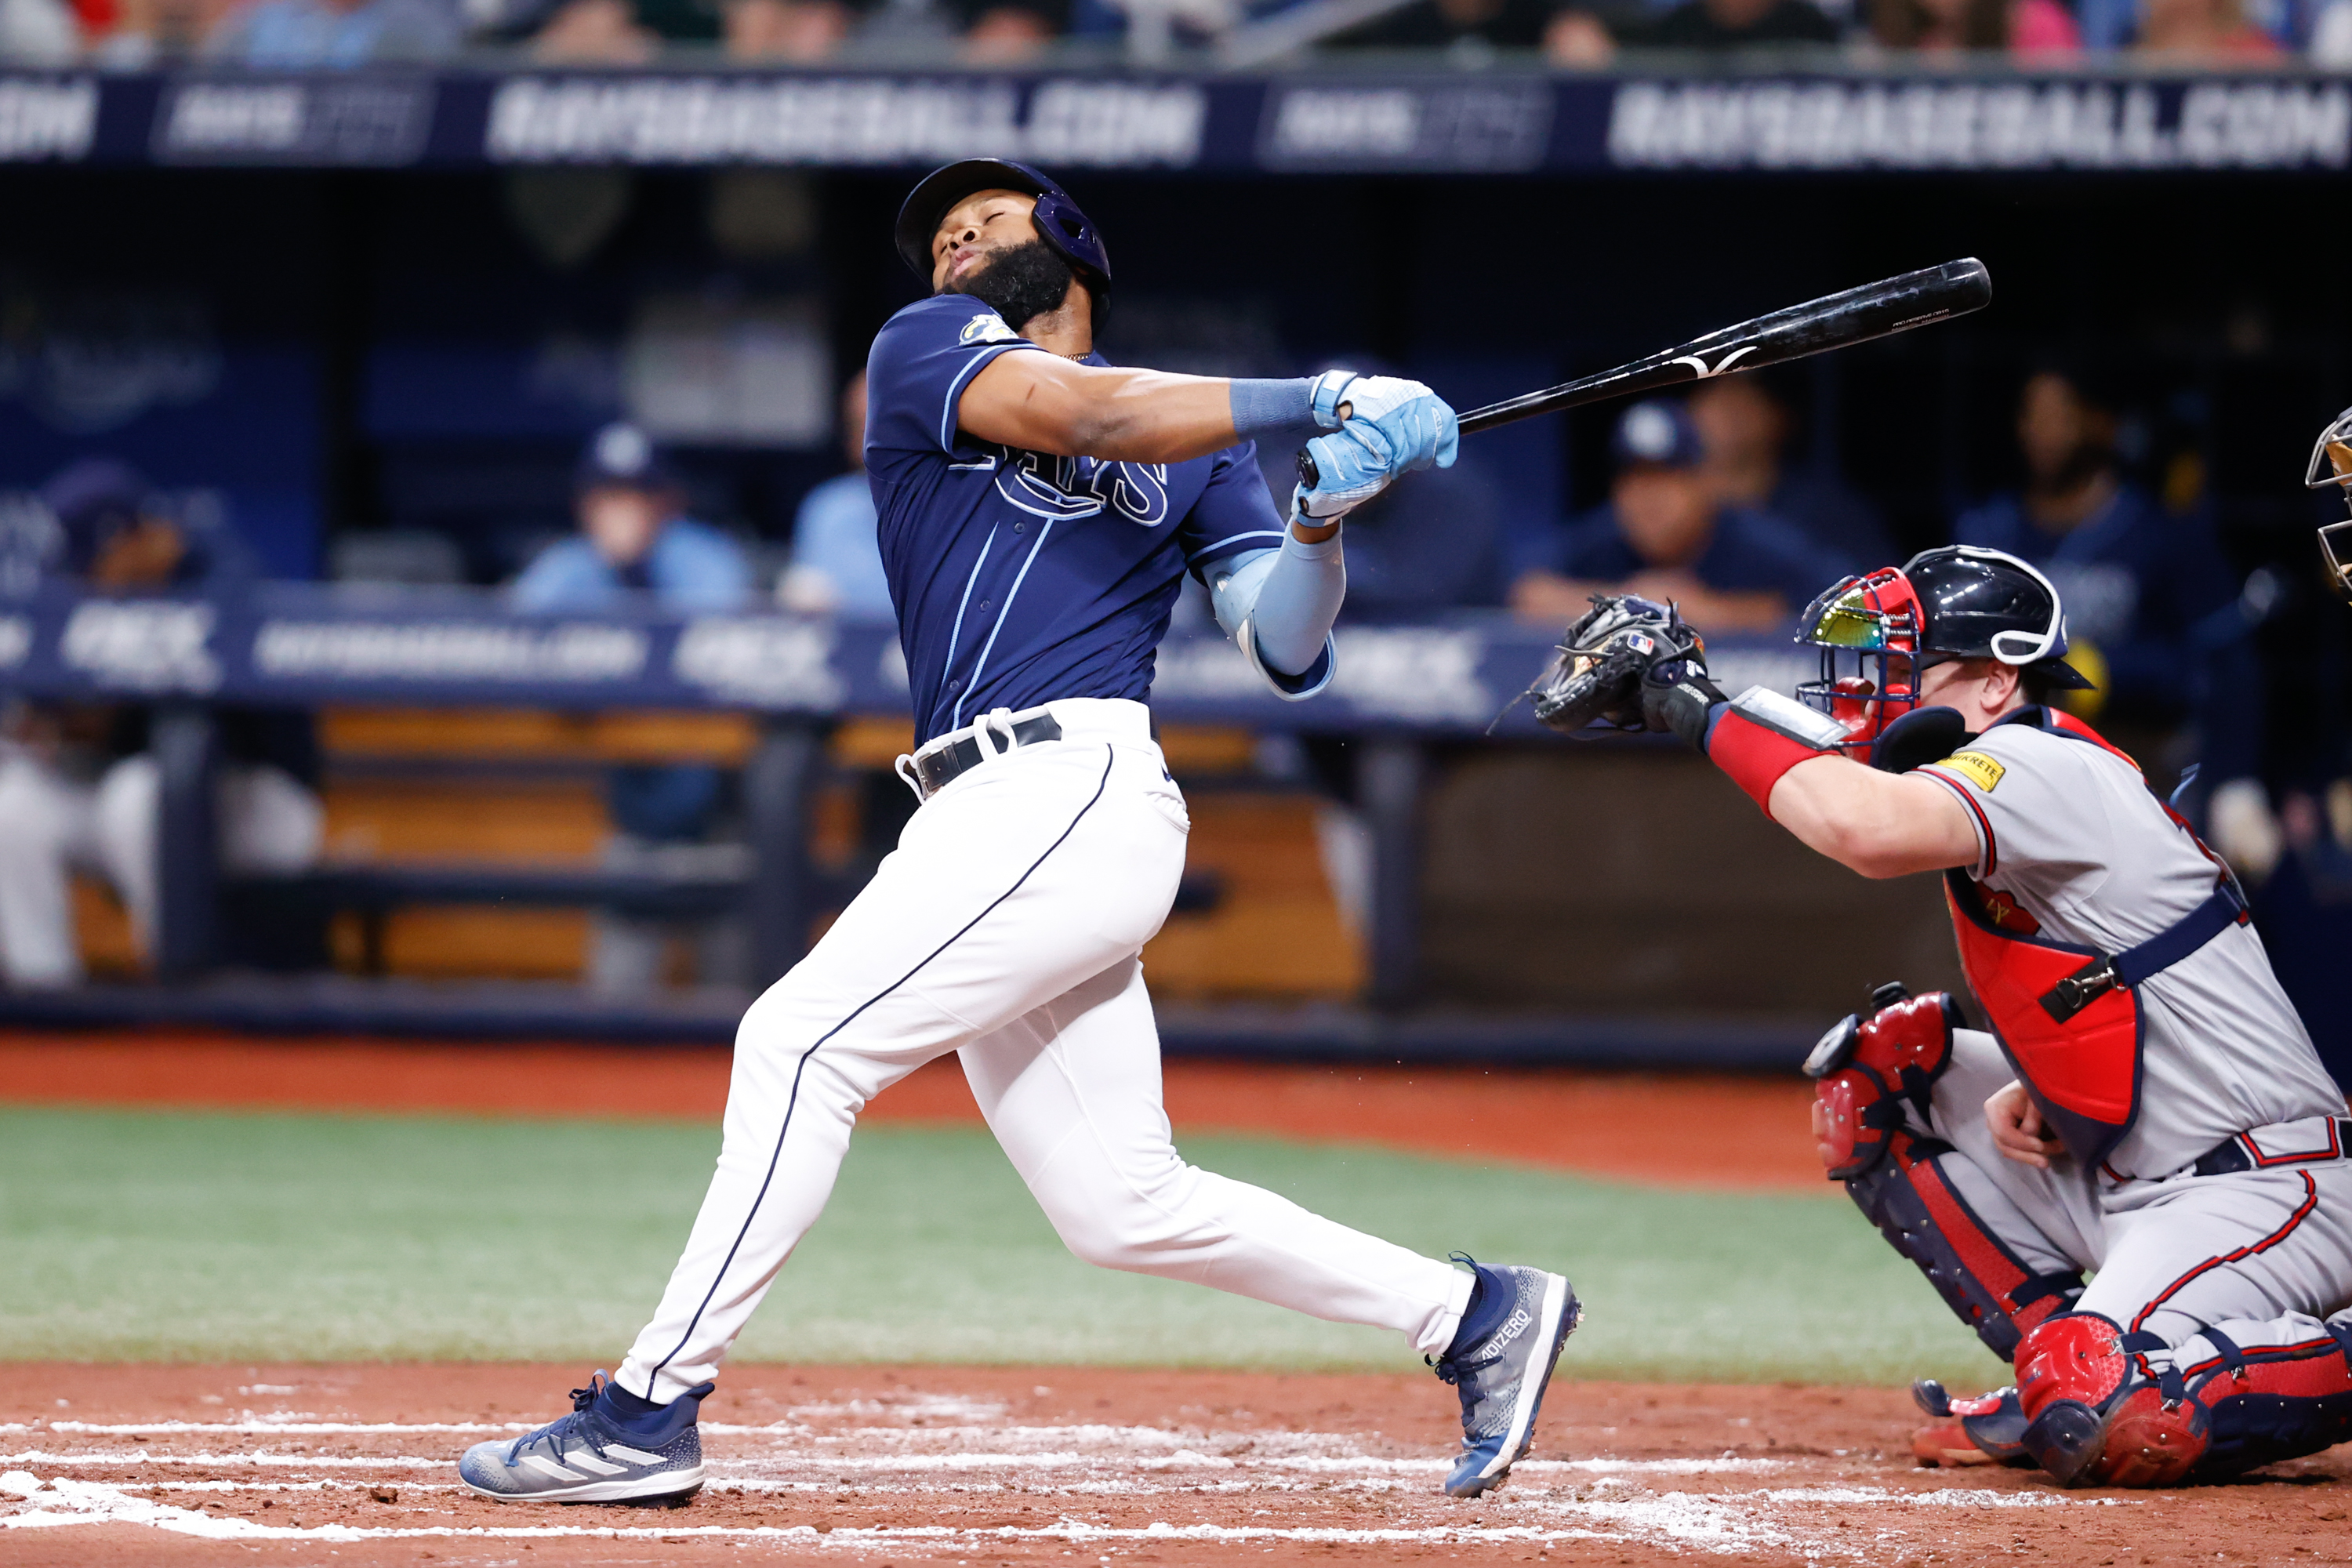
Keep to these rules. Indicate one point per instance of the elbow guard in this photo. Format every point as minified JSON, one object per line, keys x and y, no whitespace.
{"x":1291,"y":687}
{"x":1279,"y":604}
{"x":1758,"y":735}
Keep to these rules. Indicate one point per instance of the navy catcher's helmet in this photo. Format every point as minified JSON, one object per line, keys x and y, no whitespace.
{"x":1959,"y":601}
{"x":1059,"y":222}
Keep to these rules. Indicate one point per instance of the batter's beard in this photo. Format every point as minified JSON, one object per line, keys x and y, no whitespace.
{"x":1020,"y":282}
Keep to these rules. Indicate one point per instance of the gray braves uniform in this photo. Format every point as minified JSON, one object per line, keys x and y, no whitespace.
{"x":2069,"y":831}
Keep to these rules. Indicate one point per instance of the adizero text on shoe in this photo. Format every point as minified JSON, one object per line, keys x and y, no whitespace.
{"x":1503,"y":1377}
{"x":587,"y":1456}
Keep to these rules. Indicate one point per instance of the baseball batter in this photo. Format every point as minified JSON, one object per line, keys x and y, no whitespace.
{"x":1038,"y":509}
{"x":2145,"y":1104}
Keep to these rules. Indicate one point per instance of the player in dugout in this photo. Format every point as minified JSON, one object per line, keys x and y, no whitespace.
{"x":2144,"y":1102}
{"x":1038,"y":509}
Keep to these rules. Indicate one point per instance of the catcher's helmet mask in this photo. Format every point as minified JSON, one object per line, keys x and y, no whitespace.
{"x":2331,"y":466}
{"x":1059,"y":223}
{"x":1960,"y":602}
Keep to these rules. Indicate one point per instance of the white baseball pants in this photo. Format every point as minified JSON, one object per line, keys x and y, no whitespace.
{"x":1006,"y":927}
{"x":268,"y":821}
{"x":2262,"y":1256}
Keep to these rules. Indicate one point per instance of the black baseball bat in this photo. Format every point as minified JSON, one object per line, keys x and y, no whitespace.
{"x":1855,"y":316}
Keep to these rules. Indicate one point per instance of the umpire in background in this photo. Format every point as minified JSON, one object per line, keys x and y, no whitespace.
{"x":636,"y":543}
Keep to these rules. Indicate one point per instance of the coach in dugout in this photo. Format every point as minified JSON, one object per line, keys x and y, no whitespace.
{"x":78,"y":789}
{"x":635,"y":540}
{"x":1665,"y":535}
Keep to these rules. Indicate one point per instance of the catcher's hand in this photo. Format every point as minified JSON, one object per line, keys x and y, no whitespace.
{"x":1604,"y":658}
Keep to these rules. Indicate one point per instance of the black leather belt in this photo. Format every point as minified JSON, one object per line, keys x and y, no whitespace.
{"x":935,"y":769}
{"x":2233,"y":1155}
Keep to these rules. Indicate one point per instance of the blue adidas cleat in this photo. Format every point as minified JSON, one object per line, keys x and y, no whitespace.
{"x":1521,"y":1318}
{"x":603,"y":1451}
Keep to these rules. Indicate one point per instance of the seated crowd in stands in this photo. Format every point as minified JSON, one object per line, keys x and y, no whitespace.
{"x":1712,"y":501}
{"x":1569,"y":32}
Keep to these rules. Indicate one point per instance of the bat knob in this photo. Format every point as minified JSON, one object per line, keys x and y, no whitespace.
{"x":1308,"y":474}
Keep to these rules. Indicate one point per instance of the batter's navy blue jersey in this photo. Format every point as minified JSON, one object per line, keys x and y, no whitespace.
{"x":1022,"y":577}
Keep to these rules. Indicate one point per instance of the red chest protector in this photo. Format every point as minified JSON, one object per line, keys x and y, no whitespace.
{"x":2068,"y":1017}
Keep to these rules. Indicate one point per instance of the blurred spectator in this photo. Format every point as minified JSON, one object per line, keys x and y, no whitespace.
{"x":1665,"y":534}
{"x":2331,"y":35}
{"x":785,"y":29}
{"x":2138,"y":582}
{"x":39,"y":33}
{"x":1746,"y":430}
{"x":78,"y":788}
{"x":139,"y":33}
{"x":624,"y":32}
{"x":1568,"y":36}
{"x":2033,"y":29}
{"x":2215,"y":30}
{"x":292,"y":34}
{"x":836,"y":565}
{"x":1734,"y":24}
{"x":634,"y":539}
{"x":1432,"y":544}
{"x":1006,"y":32}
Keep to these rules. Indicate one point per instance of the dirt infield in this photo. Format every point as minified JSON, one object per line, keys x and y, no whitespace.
{"x":352,"y":1464}
{"x":1602,"y":1124}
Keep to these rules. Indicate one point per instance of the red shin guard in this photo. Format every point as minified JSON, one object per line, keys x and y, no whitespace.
{"x":2093,"y":1415}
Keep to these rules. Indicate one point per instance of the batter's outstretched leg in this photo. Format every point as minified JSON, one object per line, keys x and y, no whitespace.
{"x":1073,"y":1093}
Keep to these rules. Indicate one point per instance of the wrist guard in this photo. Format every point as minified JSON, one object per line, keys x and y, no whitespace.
{"x":1758,"y":735}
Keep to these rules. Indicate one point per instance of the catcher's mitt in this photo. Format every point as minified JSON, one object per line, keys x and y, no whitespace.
{"x":1597,"y":673}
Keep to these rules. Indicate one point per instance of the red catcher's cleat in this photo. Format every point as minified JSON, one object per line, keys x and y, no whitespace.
{"x":1947,"y":1444}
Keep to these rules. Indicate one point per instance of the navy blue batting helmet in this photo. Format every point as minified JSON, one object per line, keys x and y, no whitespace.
{"x":1059,"y":222}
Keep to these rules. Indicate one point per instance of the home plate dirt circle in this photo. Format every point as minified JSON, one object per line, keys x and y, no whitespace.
{"x":1068,"y":1465}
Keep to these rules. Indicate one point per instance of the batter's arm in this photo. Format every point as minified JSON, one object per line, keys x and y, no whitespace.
{"x":1044,"y":402}
{"x":1879,"y":823}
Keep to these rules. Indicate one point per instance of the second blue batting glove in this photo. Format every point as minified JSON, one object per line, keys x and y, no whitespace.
{"x":1392,"y":427}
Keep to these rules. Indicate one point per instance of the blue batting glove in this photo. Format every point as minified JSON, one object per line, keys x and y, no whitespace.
{"x":1392,"y":425}
{"x":1351,"y":466}
{"x":1417,"y":425}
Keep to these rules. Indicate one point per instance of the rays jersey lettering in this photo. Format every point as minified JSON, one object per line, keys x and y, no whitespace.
{"x":1022,"y":577}
{"x":1072,"y":488}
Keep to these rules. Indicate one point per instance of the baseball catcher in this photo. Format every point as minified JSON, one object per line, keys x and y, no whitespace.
{"x":2144,"y":1102}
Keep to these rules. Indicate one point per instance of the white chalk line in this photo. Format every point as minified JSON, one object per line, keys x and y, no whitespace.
{"x":65,"y":1503}
{"x":916,"y":1464}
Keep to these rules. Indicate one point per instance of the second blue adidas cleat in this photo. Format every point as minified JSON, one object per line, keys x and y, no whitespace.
{"x":1501,"y":1361}
{"x":613,"y":1447}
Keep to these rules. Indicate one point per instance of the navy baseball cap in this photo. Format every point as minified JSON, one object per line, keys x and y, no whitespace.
{"x":1657,"y":432}
{"x":93,"y":501}
{"x":622,"y":455}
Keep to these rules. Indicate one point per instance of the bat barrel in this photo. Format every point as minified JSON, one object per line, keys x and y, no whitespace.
{"x":1836,"y":321}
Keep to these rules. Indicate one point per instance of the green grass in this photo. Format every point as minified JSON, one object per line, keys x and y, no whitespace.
{"x":128,"y":1236}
